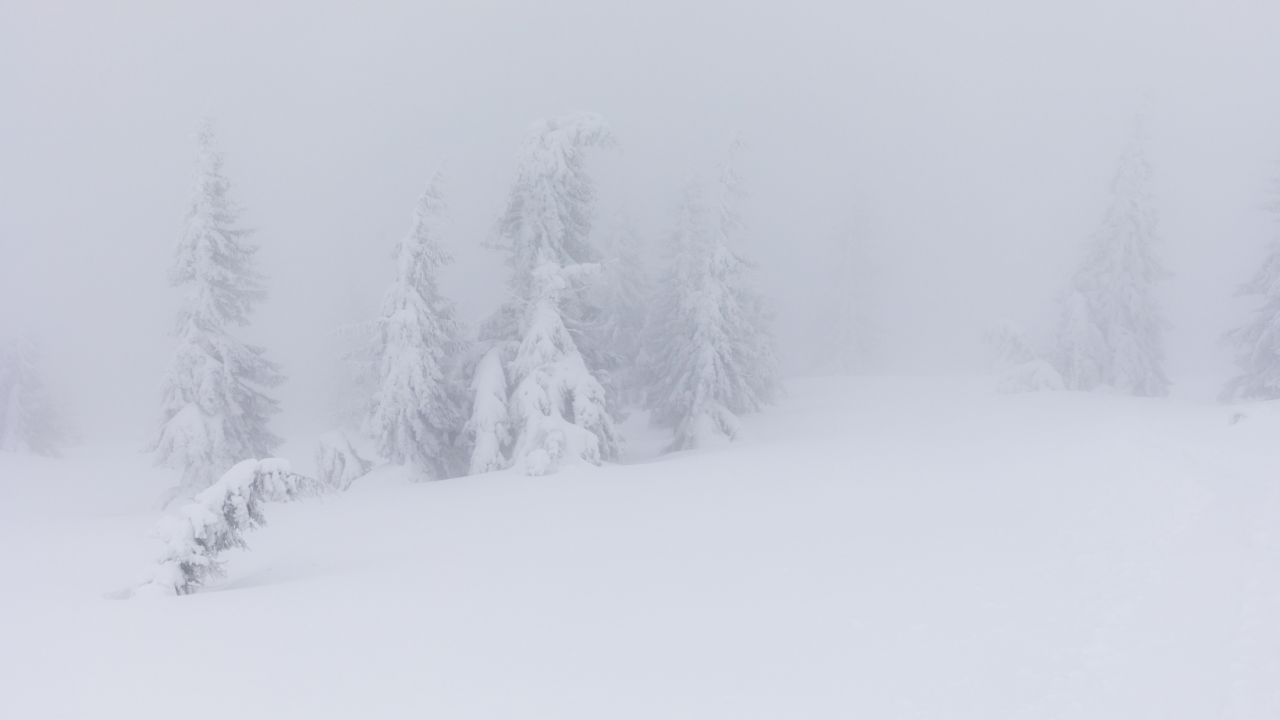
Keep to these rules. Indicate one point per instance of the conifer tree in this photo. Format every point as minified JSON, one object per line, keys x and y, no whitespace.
{"x":556,"y":405}
{"x":415,"y":414}
{"x":214,"y":410}
{"x":30,"y":422}
{"x":712,"y":353}
{"x":1111,"y":330}
{"x":1257,"y":342}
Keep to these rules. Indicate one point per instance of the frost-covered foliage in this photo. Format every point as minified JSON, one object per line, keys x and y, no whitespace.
{"x":214,"y":410}
{"x":561,"y":411}
{"x":846,"y":344}
{"x":1257,"y":343}
{"x":625,"y":293}
{"x":712,"y":354}
{"x":1111,"y":330}
{"x":1022,"y":368}
{"x":415,"y":415}
{"x":489,"y":429}
{"x":556,"y":403}
{"x":217,"y":519}
{"x":338,"y":462}
{"x":30,"y":421}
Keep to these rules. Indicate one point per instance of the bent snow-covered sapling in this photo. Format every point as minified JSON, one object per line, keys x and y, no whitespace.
{"x":216,"y":521}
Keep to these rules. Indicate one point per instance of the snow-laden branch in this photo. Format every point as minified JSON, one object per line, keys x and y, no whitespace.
{"x":216,"y":521}
{"x":338,"y":463}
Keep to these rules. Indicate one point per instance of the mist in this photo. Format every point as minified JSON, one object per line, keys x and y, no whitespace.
{"x":972,"y":145}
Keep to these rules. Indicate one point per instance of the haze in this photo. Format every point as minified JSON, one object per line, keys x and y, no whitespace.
{"x":973,"y":142}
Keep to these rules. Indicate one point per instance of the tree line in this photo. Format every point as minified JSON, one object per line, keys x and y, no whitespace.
{"x":584,"y":332}
{"x":541,"y":383}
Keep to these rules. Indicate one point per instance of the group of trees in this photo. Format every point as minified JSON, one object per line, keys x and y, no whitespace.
{"x":1111,"y":327}
{"x":545,"y":380}
{"x":585,"y":332}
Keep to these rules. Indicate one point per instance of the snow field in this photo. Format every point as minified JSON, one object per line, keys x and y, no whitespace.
{"x":874,"y":547}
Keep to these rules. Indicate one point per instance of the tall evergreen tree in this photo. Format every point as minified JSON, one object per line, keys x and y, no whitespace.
{"x":30,"y":422}
{"x":214,"y":409}
{"x":416,"y":412}
{"x":712,"y":354}
{"x":1257,"y":342}
{"x":1111,"y":330}
{"x":556,"y":405}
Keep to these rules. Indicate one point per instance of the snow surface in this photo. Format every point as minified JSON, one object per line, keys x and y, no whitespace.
{"x":873,"y":548}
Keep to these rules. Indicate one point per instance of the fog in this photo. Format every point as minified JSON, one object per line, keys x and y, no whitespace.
{"x":972,"y":142}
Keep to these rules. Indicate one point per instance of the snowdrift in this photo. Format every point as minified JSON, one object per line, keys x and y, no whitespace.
{"x":873,"y":547}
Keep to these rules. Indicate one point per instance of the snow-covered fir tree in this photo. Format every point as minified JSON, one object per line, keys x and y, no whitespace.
{"x":416,"y":412}
{"x":625,"y":292}
{"x":542,"y":385}
{"x":30,"y":421}
{"x":843,"y":326}
{"x":1111,"y":329}
{"x":712,"y":353}
{"x":215,"y":412}
{"x":1257,"y":342}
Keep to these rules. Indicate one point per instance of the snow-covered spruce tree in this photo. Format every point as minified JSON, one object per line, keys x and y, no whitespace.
{"x":1111,"y":330}
{"x":843,"y":325}
{"x":30,"y":422}
{"x":216,"y":520}
{"x":215,"y":412}
{"x":541,"y":384}
{"x":625,"y":292}
{"x":415,"y":415}
{"x":712,"y":354}
{"x":1257,"y":343}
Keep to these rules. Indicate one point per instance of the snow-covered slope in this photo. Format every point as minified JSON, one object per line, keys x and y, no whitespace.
{"x":874,"y":548}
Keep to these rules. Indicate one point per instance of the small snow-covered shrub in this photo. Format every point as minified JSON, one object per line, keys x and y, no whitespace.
{"x":216,"y":521}
{"x":1023,"y":370}
{"x":338,"y":463}
{"x":1031,"y":376}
